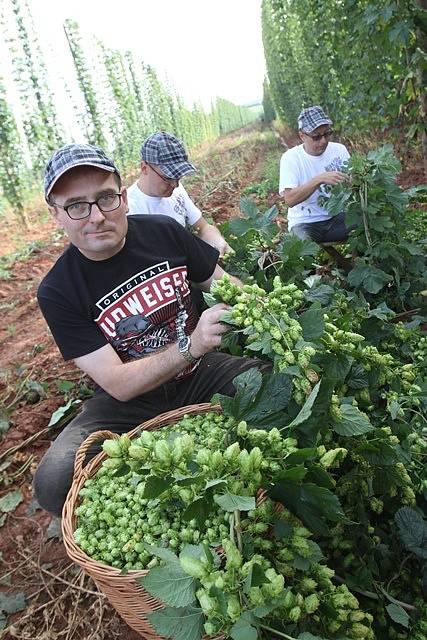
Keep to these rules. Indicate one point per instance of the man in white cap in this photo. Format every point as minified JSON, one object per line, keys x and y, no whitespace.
{"x":305,"y":170}
{"x":164,"y":161}
{"x":119,"y":303}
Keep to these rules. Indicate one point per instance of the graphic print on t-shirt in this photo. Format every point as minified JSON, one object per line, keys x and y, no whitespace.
{"x":180,"y":208}
{"x":144,"y":313}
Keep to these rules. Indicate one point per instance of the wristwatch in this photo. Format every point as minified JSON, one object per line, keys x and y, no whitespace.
{"x":184,"y":345}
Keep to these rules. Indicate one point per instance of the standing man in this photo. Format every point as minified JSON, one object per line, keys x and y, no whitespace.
{"x":164,"y":161}
{"x":305,"y":170}
{"x":118,"y":303}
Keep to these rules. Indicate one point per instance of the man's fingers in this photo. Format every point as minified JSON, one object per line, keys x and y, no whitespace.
{"x":220,"y":328}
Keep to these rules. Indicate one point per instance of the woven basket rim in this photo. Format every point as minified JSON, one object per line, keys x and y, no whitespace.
{"x":69,"y":518}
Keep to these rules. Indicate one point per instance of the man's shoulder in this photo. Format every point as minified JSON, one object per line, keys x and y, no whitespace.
{"x":155,"y":219}
{"x":338,"y":147}
{"x":155,"y":222}
{"x":293,"y":151}
{"x":294,"y":154}
{"x":135,"y":195}
{"x":57,"y":271}
{"x":133,"y":188}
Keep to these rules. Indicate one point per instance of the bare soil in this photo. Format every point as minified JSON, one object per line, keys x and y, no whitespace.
{"x":61,"y":601}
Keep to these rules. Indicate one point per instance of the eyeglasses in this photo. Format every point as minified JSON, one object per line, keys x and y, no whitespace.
{"x":167,"y":180}
{"x":319,"y":136}
{"x":80,"y":210}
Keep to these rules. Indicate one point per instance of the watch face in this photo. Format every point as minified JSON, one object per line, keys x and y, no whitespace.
{"x":183,"y":343}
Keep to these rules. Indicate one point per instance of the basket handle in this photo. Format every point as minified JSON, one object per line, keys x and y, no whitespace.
{"x":86,"y":444}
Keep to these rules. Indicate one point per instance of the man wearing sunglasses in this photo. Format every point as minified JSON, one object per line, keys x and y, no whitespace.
{"x":306,"y":172}
{"x":164,"y":161}
{"x":118,"y":302}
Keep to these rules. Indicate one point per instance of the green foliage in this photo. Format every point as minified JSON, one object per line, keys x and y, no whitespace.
{"x":93,"y":119}
{"x":13,"y":169}
{"x":269,"y":112}
{"x":335,"y":433}
{"x":42,"y":130}
{"x":388,"y":264}
{"x":263,"y":251}
{"x":336,"y":67}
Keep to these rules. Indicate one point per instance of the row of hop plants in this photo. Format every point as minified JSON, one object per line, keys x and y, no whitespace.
{"x":336,"y":68}
{"x":117,"y":101}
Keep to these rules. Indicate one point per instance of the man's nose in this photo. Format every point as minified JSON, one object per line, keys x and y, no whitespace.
{"x":96,"y":215}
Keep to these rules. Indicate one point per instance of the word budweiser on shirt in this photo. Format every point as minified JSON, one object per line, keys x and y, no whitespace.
{"x":144,"y":293}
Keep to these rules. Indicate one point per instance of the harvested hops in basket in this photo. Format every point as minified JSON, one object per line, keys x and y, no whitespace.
{"x":123,"y":589}
{"x":197,"y":548}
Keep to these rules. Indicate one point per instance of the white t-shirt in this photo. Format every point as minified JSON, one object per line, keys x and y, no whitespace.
{"x":178,"y":206}
{"x":297,"y":167}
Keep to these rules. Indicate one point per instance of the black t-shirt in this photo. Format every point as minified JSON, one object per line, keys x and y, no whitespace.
{"x":134,"y":300}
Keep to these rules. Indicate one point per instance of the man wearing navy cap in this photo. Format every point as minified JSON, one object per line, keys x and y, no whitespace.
{"x":164,"y":161}
{"x":118,"y":302}
{"x":305,"y":172}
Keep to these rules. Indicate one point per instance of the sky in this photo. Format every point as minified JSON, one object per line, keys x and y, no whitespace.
{"x":206,"y":48}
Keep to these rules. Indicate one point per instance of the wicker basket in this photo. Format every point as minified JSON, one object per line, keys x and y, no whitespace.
{"x":130,"y":599}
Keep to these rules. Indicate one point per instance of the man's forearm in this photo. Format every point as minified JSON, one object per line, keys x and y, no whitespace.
{"x":211,"y":235}
{"x":296,"y":195}
{"x":125,"y":381}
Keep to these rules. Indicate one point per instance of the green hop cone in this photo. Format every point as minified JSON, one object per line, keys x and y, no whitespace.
{"x":233,"y":607}
{"x":234,"y":558}
{"x":161,"y":451}
{"x":294,"y":614}
{"x":112,"y":448}
{"x":311,"y":603}
{"x":333,"y":457}
{"x":137,"y":452}
{"x":232,"y":452}
{"x":193,"y":567}
{"x":112,"y":463}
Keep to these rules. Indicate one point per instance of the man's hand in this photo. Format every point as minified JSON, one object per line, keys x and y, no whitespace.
{"x":331,"y":177}
{"x":223,"y":247}
{"x":207,"y":335}
{"x":296,"y":195}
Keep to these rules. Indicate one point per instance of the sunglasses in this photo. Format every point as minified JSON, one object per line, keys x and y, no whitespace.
{"x":319,"y":136}
{"x":164,"y":178}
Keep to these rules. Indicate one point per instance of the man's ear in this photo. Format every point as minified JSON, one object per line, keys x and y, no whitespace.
{"x":300,"y":134}
{"x":125,"y":198}
{"x":55,"y":215}
{"x":144,"y":167}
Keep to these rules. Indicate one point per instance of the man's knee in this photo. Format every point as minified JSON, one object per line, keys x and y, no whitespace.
{"x":54,"y":474}
{"x":307,"y":231}
{"x":52,"y":481}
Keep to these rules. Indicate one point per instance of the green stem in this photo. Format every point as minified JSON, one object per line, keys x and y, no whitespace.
{"x":238,"y":529}
{"x":278,"y":633}
{"x":364,"y":205}
{"x":232,"y":528}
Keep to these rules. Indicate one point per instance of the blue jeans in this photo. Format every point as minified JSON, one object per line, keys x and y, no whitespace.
{"x":332,"y":230}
